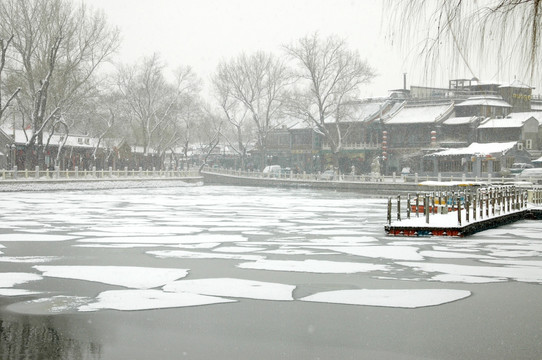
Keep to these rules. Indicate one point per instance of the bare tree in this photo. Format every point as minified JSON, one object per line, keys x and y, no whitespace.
{"x":329,"y":76}
{"x":151,"y":100}
{"x":55,"y":51}
{"x":4,"y":48}
{"x":259,"y":83}
{"x":208,"y":134}
{"x":470,"y":34}
{"x":237,"y":118}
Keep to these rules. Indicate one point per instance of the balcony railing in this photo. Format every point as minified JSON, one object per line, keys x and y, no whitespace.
{"x":355,"y":146}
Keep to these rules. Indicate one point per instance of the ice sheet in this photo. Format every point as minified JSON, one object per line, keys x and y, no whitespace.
{"x":386,"y":252}
{"x":28,"y":259}
{"x":406,"y":298}
{"x":148,"y":299}
{"x":229,"y":287}
{"x":313,"y":266}
{"x":10,"y":279}
{"x":202,"y":255}
{"x":518,"y":273}
{"x":34,"y":237}
{"x":17,"y":292}
{"x":128,"y":276}
{"x":181,"y":239}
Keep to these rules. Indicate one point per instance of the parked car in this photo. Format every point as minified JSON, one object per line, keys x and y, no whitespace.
{"x":533,"y":174}
{"x":327,"y":175}
{"x":272,"y":171}
{"x":517,"y":168}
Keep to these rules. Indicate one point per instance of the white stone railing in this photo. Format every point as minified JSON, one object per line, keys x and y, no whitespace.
{"x":57,"y":174}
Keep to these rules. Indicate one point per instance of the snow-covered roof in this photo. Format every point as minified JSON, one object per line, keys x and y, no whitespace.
{"x":460,"y":120}
{"x":82,"y":141}
{"x":513,"y":120}
{"x":538,"y":160}
{"x":478,"y":149}
{"x":73,"y":140}
{"x":367,"y":110}
{"x":421,"y":114}
{"x":536,"y":107}
{"x":485,"y":100}
{"x":364,"y":110}
{"x":516,"y":84}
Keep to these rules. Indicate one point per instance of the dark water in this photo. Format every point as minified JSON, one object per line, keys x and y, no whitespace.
{"x":501,"y":319}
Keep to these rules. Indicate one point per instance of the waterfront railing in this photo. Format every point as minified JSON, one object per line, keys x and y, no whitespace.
{"x":370,"y":177}
{"x":76,"y":173}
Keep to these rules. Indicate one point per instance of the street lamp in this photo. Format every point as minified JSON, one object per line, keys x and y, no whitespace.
{"x":13,"y":156}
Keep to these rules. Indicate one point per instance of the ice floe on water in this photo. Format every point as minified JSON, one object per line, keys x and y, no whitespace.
{"x":386,"y":252}
{"x":34,"y":237}
{"x":467,"y":279}
{"x":294,"y":251}
{"x":180,"y":239}
{"x":202,"y":255}
{"x":452,"y":255}
{"x":154,"y":230}
{"x":238,"y":249}
{"x":518,"y":273}
{"x":10,"y":279}
{"x":513,"y":262}
{"x":407,"y":298}
{"x":238,"y":288}
{"x":127,"y":276}
{"x":313,"y":266}
{"x":28,"y":259}
{"x":17,"y":292}
{"x":148,"y":299}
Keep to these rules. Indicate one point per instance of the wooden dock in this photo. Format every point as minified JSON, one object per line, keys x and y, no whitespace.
{"x":465,"y":213}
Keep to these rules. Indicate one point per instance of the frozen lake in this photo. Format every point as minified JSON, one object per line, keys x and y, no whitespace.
{"x":210,"y":272}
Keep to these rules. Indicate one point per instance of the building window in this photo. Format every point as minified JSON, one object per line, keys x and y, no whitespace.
{"x":529,"y":144}
{"x":79,"y":140}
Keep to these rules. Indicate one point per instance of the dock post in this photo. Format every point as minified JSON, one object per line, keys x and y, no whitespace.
{"x":467,"y":207}
{"x":417,"y":205}
{"x":487,"y":203}
{"x":389,"y":210}
{"x":398,"y":207}
{"x":453,"y":200}
{"x":408,"y":207}
{"x":492,"y":202}
{"x":474,"y":200}
{"x":433,"y":202}
{"x":481,"y":205}
{"x":508,"y":200}
{"x":426,"y":208}
{"x":459,"y":209}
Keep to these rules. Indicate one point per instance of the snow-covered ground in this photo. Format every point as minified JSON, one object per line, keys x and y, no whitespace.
{"x":256,"y":234}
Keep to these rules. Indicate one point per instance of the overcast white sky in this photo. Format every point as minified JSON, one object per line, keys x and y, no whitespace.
{"x":201,"y":33}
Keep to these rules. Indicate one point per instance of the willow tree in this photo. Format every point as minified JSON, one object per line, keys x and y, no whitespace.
{"x":329,"y":77}
{"x":470,"y":34}
{"x":55,"y":50}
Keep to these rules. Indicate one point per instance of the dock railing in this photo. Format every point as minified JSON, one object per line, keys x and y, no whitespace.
{"x":370,"y":177}
{"x":57,"y":174}
{"x":470,"y":205}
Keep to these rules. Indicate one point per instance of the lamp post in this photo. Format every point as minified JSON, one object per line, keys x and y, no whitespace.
{"x":13,"y":156}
